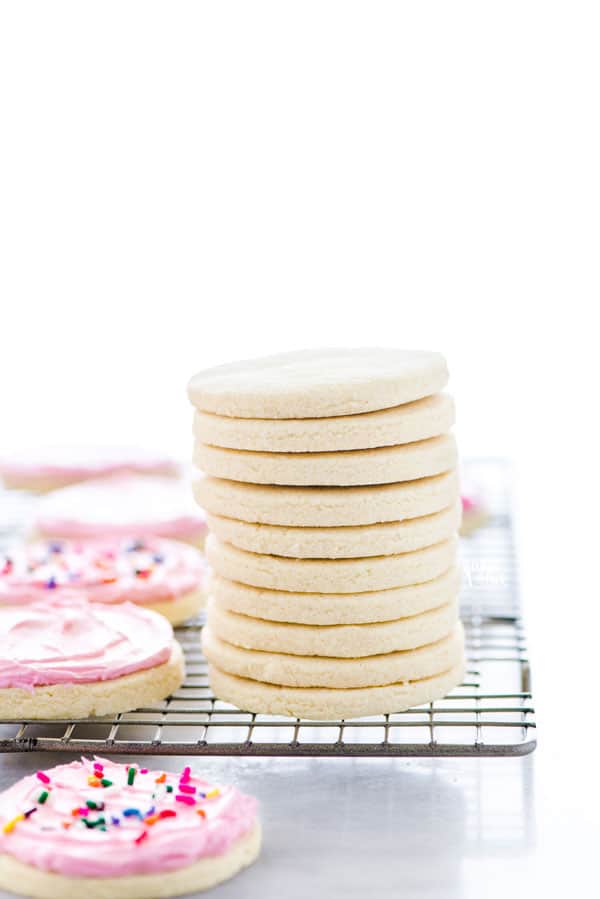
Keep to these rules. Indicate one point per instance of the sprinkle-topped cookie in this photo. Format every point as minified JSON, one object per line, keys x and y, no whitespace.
{"x":101,"y":819}
{"x":162,"y":574}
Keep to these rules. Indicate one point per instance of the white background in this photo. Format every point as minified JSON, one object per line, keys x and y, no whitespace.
{"x":188,"y":183}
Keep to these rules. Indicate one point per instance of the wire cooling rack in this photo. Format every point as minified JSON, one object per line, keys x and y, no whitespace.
{"x":491,"y":713}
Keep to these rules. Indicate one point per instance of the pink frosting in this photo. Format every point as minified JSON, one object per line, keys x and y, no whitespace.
{"x":108,"y":570}
{"x":84,"y":462}
{"x":121,"y":506}
{"x":65,"y":641}
{"x":54,"y":839}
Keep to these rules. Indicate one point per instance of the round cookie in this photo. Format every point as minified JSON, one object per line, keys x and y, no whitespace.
{"x":40,"y":470}
{"x":326,"y":506}
{"x":335,"y":608}
{"x":474,"y":513}
{"x":387,"y":538}
{"x":111,"y":831}
{"x":163,"y":575}
{"x":343,"y":641}
{"x":74,"y":659}
{"x":122,"y":506}
{"x":384,"y":465}
{"x":330,"y":575}
{"x":324,"y":703}
{"x":428,"y":417}
{"x":318,"y":383}
{"x":318,"y":671}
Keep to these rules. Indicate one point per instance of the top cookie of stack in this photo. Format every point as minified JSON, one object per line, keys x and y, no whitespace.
{"x":331,"y":489}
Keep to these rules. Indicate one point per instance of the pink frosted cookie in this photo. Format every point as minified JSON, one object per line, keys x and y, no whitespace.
{"x":164,"y":575}
{"x":474,"y":512}
{"x":121,"y":506}
{"x":67,"y":658}
{"x":56,"y":466}
{"x":112,"y":831}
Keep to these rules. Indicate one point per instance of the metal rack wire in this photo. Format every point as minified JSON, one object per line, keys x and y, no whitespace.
{"x":490,"y":714}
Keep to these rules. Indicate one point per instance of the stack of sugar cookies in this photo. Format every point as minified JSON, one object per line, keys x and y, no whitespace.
{"x":332,"y":497}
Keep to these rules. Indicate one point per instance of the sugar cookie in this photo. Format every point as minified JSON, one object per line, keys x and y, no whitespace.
{"x":383,"y":539}
{"x":326,"y":506}
{"x":46,"y":469}
{"x":318,"y":383}
{"x":428,"y":417}
{"x":330,"y":575}
{"x":344,"y":641}
{"x":73,"y":659}
{"x":335,"y":608}
{"x":323,"y":703}
{"x":319,"y":671}
{"x":111,"y":831}
{"x":164,"y":575}
{"x":122,"y":506}
{"x":385,"y":465}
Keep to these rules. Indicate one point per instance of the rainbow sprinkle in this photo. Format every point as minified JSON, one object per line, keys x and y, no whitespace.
{"x":10,"y":825}
{"x":186,"y":788}
{"x":185,"y":793}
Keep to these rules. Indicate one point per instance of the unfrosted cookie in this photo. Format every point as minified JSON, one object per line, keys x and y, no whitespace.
{"x":344,"y":641}
{"x":164,"y":575}
{"x":99,"y":829}
{"x":319,"y":671}
{"x":335,"y":608}
{"x":424,"y":418}
{"x":122,"y":506}
{"x":382,"y":539}
{"x":323,"y":703}
{"x":40,"y":470}
{"x":326,"y":506}
{"x":74,"y":659}
{"x":330,"y":575}
{"x":318,"y":383}
{"x":385,"y":465}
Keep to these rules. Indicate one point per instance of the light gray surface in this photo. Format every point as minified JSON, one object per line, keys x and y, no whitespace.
{"x":421,"y":828}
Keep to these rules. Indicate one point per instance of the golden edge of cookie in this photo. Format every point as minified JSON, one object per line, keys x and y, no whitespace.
{"x":334,"y":673}
{"x":325,"y":704}
{"x":419,"y":420}
{"x":325,"y":506}
{"x":108,"y":697}
{"x":26,"y":880}
{"x":335,"y":608}
{"x":349,"y":641}
{"x":349,"y":542}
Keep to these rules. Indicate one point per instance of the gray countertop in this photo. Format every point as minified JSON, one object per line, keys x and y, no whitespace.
{"x":389,"y":827}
